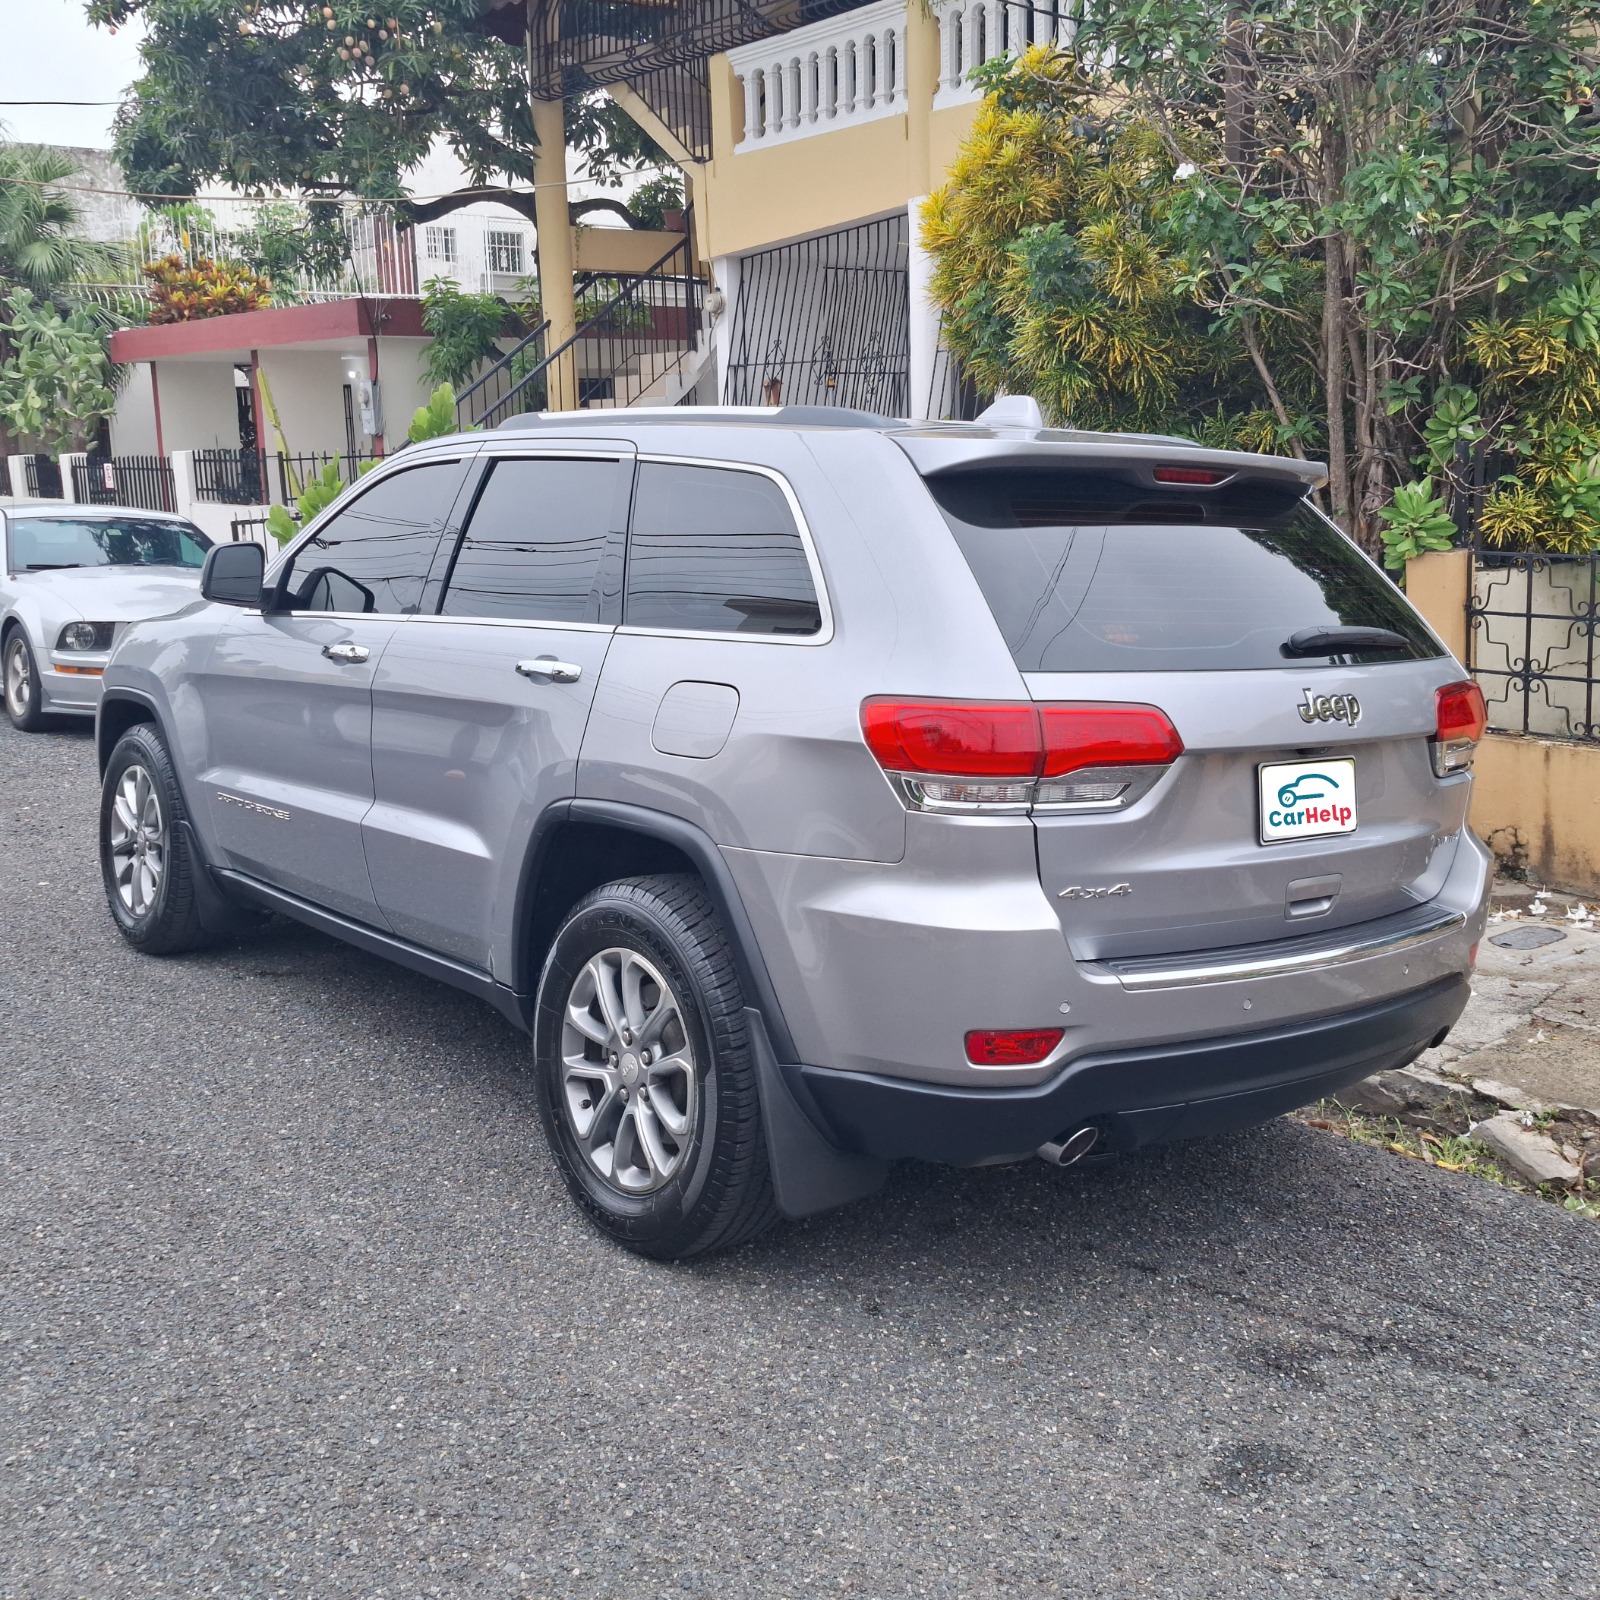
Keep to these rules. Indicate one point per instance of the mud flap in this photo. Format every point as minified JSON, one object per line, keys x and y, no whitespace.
{"x":809,"y":1174}
{"x":220,"y":915}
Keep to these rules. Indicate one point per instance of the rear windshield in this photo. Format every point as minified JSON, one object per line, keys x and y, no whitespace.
{"x":1089,"y":572}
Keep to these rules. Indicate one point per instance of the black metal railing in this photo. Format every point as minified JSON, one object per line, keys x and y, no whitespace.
{"x":250,"y":529}
{"x":230,"y":477}
{"x":1532,"y":623}
{"x":586,"y":44}
{"x":5,"y":475}
{"x":623,"y":353}
{"x":145,"y":482}
{"x":295,"y":472}
{"x":488,"y":392}
{"x":826,"y":322}
{"x":43,"y":477}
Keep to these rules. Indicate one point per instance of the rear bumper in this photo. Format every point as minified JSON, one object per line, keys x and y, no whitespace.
{"x":1137,"y":1097}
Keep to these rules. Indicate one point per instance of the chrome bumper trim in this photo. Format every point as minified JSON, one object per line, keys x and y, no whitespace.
{"x":1274,"y":960}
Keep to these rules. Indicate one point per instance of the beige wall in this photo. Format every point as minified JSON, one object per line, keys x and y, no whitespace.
{"x":1535,"y":801}
{"x":198,"y":409}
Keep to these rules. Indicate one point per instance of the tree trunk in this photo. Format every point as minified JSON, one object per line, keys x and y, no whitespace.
{"x":1333,"y":380}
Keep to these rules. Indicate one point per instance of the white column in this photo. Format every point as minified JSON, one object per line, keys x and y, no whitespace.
{"x":69,"y":460}
{"x":752,"y":107}
{"x":17,"y":469}
{"x":923,"y":348}
{"x":183,"y":493}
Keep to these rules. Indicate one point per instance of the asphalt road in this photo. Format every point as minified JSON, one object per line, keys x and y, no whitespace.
{"x":293,"y":1305}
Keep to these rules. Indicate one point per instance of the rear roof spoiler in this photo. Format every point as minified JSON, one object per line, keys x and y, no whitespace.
{"x":935,"y":450}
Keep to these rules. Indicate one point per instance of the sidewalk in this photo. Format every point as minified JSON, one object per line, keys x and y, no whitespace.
{"x":1534,"y":1019}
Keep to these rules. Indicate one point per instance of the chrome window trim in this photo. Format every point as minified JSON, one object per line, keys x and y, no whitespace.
{"x":1333,"y":950}
{"x":823,"y":635}
{"x":426,"y":617}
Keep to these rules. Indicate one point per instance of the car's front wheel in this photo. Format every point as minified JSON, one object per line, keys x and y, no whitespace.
{"x":145,"y":860}
{"x":24,"y":693}
{"x":646,"y":1084}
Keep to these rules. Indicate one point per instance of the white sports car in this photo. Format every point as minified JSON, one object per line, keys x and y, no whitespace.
{"x":74,"y":577}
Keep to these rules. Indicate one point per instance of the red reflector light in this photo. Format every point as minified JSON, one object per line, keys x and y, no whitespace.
{"x":1088,"y":735}
{"x":1190,"y":475}
{"x":1462,"y":713}
{"x":1011,"y":1047}
{"x":978,"y":739}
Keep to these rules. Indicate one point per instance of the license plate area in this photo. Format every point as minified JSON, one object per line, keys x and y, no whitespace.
{"x":1306,"y":799}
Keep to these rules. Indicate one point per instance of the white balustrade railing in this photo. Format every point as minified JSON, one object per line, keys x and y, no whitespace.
{"x":973,"y":32}
{"x":846,"y":70}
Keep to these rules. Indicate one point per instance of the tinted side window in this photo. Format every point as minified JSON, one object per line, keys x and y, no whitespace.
{"x":375,"y":555}
{"x":533,"y":547}
{"x":716,"y":550}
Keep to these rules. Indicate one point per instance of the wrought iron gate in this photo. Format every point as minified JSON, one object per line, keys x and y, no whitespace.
{"x":826,"y":322}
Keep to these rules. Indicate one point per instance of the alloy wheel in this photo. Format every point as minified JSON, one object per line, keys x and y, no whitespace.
{"x":138,"y":841}
{"x":19,"y":678}
{"x":629,"y":1089}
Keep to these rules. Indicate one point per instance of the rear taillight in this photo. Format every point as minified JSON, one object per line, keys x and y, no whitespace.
{"x":968,"y":755}
{"x":1461,"y":720}
{"x":1011,"y":1047}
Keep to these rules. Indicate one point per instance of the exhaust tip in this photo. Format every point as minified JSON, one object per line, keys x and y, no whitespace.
{"x":1073,"y":1147}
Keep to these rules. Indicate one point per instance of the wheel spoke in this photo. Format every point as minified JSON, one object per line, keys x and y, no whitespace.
{"x":123,"y":812}
{"x":605,"y":991}
{"x":676,"y":1122}
{"x":650,"y":1141}
{"x":579,"y":1018}
{"x":633,"y":974}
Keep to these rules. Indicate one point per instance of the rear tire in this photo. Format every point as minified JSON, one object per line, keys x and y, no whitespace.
{"x":24,"y":693}
{"x":647,"y":1088}
{"x":145,"y":860}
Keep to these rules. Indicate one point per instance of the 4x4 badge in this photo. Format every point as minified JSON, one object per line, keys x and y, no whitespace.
{"x":1330,"y":708}
{"x":1095,"y":891}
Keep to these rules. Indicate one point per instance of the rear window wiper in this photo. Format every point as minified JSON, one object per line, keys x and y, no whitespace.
{"x":1342,"y":641}
{"x":53,"y":566}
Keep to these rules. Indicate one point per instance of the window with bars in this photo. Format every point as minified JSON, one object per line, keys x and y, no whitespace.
{"x":440,"y":244}
{"x":505,"y":250}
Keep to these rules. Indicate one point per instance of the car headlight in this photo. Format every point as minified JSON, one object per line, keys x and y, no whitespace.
{"x":85,"y":636}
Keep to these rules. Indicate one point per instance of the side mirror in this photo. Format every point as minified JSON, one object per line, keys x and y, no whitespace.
{"x":233,"y":574}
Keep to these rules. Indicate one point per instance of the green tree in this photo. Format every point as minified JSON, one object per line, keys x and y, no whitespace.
{"x":1375,"y":185}
{"x":55,"y":381}
{"x":41,"y":247}
{"x":1055,"y":276}
{"x":463,"y":328}
{"x":337,"y":98}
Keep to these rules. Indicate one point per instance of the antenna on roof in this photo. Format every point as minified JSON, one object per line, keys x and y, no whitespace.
{"x":1014,"y":411}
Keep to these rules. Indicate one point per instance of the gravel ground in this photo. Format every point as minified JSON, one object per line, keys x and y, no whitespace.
{"x":293,"y":1305}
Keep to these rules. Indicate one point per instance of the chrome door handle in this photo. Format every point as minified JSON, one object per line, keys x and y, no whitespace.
{"x":549,"y":667}
{"x":351,"y":654}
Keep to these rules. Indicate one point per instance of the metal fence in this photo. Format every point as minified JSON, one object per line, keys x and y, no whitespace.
{"x":250,"y":529}
{"x":1532,"y":621}
{"x":42,"y":475}
{"x":294,"y":472}
{"x":230,"y":477}
{"x":143,"y":481}
{"x":826,"y":322}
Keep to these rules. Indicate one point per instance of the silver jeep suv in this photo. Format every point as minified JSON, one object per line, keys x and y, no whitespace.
{"x":819,"y":789}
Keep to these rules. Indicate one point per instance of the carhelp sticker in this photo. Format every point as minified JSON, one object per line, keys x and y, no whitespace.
{"x":1306,"y":799}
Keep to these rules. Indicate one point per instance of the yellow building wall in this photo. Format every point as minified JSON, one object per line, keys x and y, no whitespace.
{"x":826,"y":180}
{"x":1535,"y":802}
